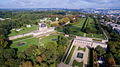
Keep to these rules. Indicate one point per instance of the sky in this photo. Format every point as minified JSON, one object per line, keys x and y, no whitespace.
{"x":59,"y":4}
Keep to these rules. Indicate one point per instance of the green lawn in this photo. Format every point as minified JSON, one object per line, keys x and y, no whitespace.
{"x":70,"y":55}
{"x":79,"y":64}
{"x":31,"y":41}
{"x":26,"y":30}
{"x":97,"y":40}
{"x":79,"y":48}
{"x":79,"y":23}
{"x":60,"y":29}
{"x":75,"y":29}
{"x":95,"y":36}
{"x":48,"y":39}
{"x":91,"y":24}
{"x":28,"y":42}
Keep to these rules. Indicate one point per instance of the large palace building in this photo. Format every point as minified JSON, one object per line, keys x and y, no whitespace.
{"x":89,"y":42}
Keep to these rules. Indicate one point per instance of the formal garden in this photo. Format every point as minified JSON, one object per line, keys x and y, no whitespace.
{"x":51,"y":38}
{"x":28,"y":43}
{"x":74,"y":28}
{"x":84,"y":25}
{"x":23,"y":43}
{"x":90,"y":27}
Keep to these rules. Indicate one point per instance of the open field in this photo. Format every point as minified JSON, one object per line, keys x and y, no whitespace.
{"x":25,"y":30}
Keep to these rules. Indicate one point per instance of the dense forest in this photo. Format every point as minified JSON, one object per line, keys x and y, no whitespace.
{"x":112,"y":54}
{"x":113,"y":45}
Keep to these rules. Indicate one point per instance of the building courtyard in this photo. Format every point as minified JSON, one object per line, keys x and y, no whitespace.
{"x":79,"y":50}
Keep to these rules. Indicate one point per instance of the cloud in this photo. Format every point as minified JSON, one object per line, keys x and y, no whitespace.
{"x":98,"y":1}
{"x":58,"y":3}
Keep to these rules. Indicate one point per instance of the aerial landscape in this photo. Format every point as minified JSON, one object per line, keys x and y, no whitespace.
{"x":68,"y":33}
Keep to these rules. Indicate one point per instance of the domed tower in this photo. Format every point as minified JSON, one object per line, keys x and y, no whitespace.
{"x":43,"y":26}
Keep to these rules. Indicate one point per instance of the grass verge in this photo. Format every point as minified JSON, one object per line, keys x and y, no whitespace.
{"x":79,"y":48}
{"x":70,"y":55}
{"x":79,"y":64}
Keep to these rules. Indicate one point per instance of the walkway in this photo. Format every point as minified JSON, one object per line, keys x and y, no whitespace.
{"x":84,"y":35}
{"x":22,"y":39}
{"x":63,"y":65}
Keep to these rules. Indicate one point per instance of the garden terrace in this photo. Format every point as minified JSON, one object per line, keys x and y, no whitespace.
{"x":23,"y":31}
{"x":29,"y":40}
{"x":28,"y":43}
{"x":48,"y":39}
